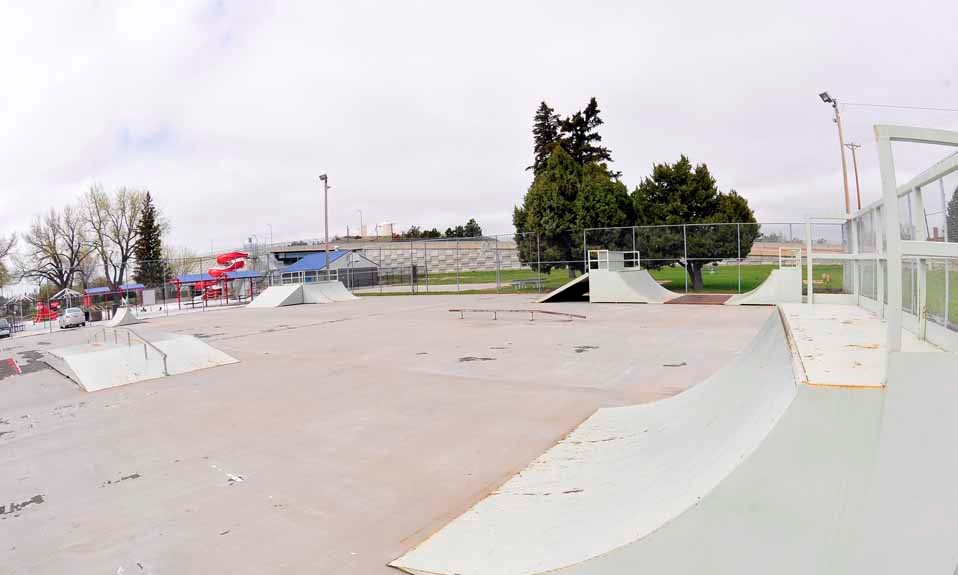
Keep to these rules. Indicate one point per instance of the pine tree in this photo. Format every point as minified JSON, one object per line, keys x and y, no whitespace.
{"x":580,"y":137}
{"x":151,"y":270}
{"x":546,"y":135}
{"x":472,"y":229}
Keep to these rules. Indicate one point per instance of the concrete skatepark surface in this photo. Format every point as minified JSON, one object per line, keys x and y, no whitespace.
{"x":810,"y":498}
{"x":345,"y":436}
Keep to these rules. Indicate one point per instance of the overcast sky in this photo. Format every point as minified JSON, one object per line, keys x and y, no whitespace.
{"x":420,"y":112}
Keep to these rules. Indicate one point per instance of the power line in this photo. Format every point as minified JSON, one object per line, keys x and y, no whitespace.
{"x":926,"y":108}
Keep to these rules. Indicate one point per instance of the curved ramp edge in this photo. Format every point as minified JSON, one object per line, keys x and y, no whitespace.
{"x":573,"y":290}
{"x":628,"y":286}
{"x":621,"y":475}
{"x":783,"y":285}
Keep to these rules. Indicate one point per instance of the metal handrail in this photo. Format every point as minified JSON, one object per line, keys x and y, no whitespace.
{"x":129,"y":331}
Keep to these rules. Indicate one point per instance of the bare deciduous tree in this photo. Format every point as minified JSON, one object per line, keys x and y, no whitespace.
{"x":56,"y":246}
{"x":181,"y":260}
{"x":113,"y":220}
{"x":6,"y":246}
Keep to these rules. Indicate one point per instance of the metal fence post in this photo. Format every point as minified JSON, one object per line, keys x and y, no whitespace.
{"x":585,"y":254}
{"x":538,"y":263}
{"x":634,"y":247}
{"x":412,"y":267}
{"x":738,"y":234}
{"x":425,"y":262}
{"x":458,"y":267}
{"x":685,"y":254}
{"x":498,"y":279}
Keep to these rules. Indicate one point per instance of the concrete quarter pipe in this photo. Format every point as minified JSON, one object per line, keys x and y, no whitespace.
{"x":762,"y":468}
{"x":604,"y":286}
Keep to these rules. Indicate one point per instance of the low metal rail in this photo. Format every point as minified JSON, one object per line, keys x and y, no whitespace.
{"x":130,"y":334}
{"x":532,"y":313}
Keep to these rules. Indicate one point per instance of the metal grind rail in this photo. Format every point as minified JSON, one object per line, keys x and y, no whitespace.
{"x":532,"y":313}
{"x":130,"y":334}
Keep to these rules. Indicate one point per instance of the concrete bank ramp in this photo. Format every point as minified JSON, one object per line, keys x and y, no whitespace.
{"x":626,"y":286}
{"x":783,"y":285}
{"x":295,"y":294}
{"x":121,"y":356}
{"x":765,"y":470}
{"x":123,"y":316}
{"x":278,"y":296}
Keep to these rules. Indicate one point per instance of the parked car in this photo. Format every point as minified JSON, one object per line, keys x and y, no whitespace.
{"x":72,"y":317}
{"x":5,"y":329}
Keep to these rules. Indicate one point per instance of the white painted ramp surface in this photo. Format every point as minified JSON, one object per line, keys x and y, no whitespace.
{"x":336,"y":291}
{"x":278,"y":296}
{"x":103,"y":365}
{"x":850,"y":479}
{"x":843,"y":345}
{"x":124,"y":316}
{"x":627,"y":286}
{"x":314,"y":293}
{"x":556,"y":294}
{"x":783,"y":285}
{"x":622,"y":474}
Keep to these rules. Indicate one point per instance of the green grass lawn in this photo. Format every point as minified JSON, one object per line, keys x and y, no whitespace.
{"x":718,"y":279}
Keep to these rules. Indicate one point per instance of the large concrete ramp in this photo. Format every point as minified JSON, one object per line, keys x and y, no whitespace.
{"x":278,"y":296}
{"x":823,"y":478}
{"x":314,"y":293}
{"x":125,"y":357}
{"x":783,"y":285}
{"x":636,"y":468}
{"x":626,"y":286}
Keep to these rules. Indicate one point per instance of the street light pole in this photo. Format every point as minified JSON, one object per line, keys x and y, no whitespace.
{"x":325,"y":181}
{"x":269,"y":254}
{"x":841,"y":146}
{"x":361,"y":230}
{"x":858,"y":188}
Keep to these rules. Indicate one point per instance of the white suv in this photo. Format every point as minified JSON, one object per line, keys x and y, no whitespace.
{"x":72,"y":317}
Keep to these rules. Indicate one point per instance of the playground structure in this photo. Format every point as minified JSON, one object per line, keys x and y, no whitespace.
{"x":215,"y":284}
{"x":825,"y":448}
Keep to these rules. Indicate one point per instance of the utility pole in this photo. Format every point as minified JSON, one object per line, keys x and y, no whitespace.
{"x":362,"y":231}
{"x":841,"y":146}
{"x":858,"y":188}
{"x":325,"y":181}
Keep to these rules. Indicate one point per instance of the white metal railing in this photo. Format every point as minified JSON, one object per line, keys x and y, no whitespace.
{"x":789,"y":257}
{"x":614,"y":260}
{"x":892,"y":235}
{"x":102,"y":334}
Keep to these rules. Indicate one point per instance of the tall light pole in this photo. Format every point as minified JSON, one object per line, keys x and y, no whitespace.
{"x":841,"y":146}
{"x":325,"y":181}
{"x":361,"y":231}
{"x":858,"y":188}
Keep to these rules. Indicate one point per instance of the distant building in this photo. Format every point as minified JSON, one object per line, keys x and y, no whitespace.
{"x":348,"y":266}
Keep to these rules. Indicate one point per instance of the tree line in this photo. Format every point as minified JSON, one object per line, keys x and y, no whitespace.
{"x":574,"y":189}
{"x":104,"y":239}
{"x":470,"y":230}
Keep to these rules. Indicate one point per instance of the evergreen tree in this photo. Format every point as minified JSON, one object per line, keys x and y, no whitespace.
{"x":151,"y":270}
{"x":680,"y":194}
{"x":952,"y":217}
{"x":472,"y":229}
{"x":546,"y":135}
{"x":581,"y":139}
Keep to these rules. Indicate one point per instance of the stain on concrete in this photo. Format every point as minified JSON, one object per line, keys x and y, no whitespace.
{"x":31,"y":362}
{"x":682,"y":364}
{"x":2,"y":433}
{"x":43,"y":343}
{"x":208,"y":335}
{"x":474,"y":358}
{"x":15,"y":508}
{"x":585,"y":348}
{"x":123,"y":478}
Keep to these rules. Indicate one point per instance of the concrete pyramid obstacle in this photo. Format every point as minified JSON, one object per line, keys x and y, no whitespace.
{"x":121,"y":356}
{"x":296,"y":294}
{"x":123,"y":316}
